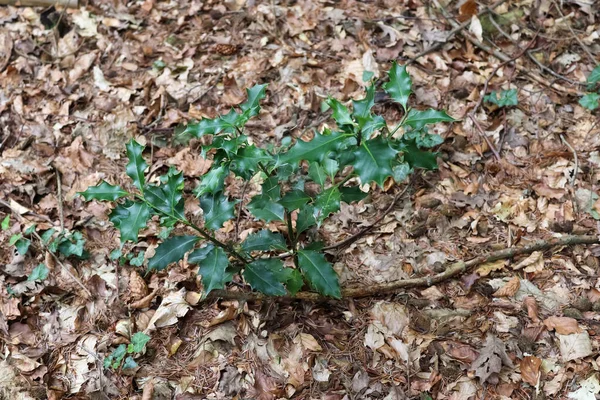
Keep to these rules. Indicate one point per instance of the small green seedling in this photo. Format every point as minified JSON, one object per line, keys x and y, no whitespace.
{"x":506,"y":98}
{"x":116,"y":359}
{"x":590,"y":100}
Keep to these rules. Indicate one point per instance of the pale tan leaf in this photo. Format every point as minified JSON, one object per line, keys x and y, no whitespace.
{"x":562,"y":325}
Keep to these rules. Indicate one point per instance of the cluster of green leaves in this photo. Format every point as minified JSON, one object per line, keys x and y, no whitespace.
{"x":505,"y":98}
{"x":590,"y":100}
{"x":66,"y":243}
{"x":117,"y":359}
{"x":362,"y":147}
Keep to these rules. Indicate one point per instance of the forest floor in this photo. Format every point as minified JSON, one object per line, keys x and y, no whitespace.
{"x":73,"y":93}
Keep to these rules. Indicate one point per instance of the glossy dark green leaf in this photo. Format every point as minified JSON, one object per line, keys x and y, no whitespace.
{"x":316,"y":149}
{"x":212,"y":181}
{"x":373,"y":160}
{"x":262,"y":207}
{"x":362,"y":108}
{"x":214,"y":270}
{"x":352,"y":194}
{"x":262,"y":275}
{"x":136,"y":166}
{"x":372,"y":125}
{"x":317,"y":173}
{"x":293,"y":280}
{"x":294,"y":199}
{"x":264,"y":240}
{"x":251,"y":107}
{"x":245,"y":162}
{"x":217,"y":209}
{"x":104,"y":191}
{"x":399,"y":86}
{"x":170,"y":251}
{"x":327,"y":202}
{"x":341,"y":115}
{"x":129,"y":218}
{"x":418,"y":119}
{"x":205,"y":126}
{"x":272,"y":188}
{"x":331,"y":167}
{"x":418,"y":158}
{"x":306,"y":218}
{"x":590,"y":101}
{"x":198,"y":255}
{"x":319,"y":273}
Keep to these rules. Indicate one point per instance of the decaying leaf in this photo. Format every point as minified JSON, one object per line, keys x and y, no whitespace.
{"x":563,"y":325}
{"x":492,"y":357}
{"x":530,"y":370}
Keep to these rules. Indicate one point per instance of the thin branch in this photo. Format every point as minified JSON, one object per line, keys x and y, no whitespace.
{"x":366,"y":229}
{"x":427,"y":281}
{"x":237,"y":220}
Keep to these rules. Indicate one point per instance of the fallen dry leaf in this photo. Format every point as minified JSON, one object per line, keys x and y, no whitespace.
{"x":530,"y":370}
{"x":563,"y":325}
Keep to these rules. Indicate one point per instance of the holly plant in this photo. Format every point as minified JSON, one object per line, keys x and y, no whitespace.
{"x":362,"y":151}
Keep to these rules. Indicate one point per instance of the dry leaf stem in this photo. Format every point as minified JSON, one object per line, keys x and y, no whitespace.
{"x":427,"y":281}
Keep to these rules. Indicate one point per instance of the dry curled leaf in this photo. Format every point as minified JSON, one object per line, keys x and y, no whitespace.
{"x":562,"y":325}
{"x":510,"y":288}
{"x":530,"y":370}
{"x":532,"y":309}
{"x":137,"y":286}
{"x":491,"y":358}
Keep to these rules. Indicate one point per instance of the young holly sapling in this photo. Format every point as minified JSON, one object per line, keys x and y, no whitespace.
{"x":363,"y":150}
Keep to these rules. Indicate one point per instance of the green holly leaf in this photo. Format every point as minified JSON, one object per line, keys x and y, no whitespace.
{"x":594,"y":76}
{"x":212,"y":181}
{"x":371,"y":125}
{"x":72,"y":245}
{"x":199,"y":255}
{"x":507,"y":98}
{"x":331,"y":167}
{"x":341,"y":115}
{"x":170,"y":251}
{"x":264,"y":208}
{"x":245,"y":162}
{"x":294,"y":199}
{"x":6,"y":223}
{"x":130,"y":363}
{"x":264,"y":240}
{"x":317,"y":173}
{"x":205,"y":126}
{"x":272,"y":188}
{"x":136,"y":165}
{"x":293,"y":280}
{"x":138,"y":342}
{"x":352,"y":194}
{"x":251,"y":107}
{"x":362,"y":108}
{"x":327,"y":202}
{"x":129,"y":218}
{"x":590,"y":101}
{"x":262,"y":275}
{"x":418,"y":158}
{"x":373,"y":160}
{"x":399,"y":86}
{"x":418,"y":119}
{"x":39,"y":273}
{"x":103,"y":191}
{"x":306,"y":218}
{"x":316,"y":149}
{"x":213,"y":270}
{"x":319,"y":273}
{"x":217,"y":209}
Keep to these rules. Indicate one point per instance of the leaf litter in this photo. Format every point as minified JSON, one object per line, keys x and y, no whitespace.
{"x":69,"y":101}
